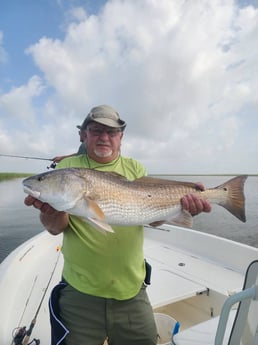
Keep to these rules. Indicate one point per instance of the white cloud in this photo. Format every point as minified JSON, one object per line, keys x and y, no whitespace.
{"x":17,"y":104}
{"x":181,"y":73}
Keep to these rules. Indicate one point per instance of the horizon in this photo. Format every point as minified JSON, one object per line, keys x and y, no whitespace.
{"x":183,"y":75}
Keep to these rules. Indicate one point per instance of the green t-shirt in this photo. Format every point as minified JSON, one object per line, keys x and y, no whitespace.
{"x":106,"y":265}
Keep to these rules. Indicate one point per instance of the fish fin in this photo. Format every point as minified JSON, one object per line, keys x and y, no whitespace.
{"x":100,"y":226}
{"x":115,"y":174}
{"x":184,"y":218}
{"x":154,"y":181}
{"x":98,"y":217}
{"x":94,"y":209}
{"x":235,"y":203}
{"x":158,"y":223}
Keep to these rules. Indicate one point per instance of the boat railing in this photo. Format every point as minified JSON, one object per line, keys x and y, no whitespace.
{"x":238,"y":320}
{"x":247,"y":294}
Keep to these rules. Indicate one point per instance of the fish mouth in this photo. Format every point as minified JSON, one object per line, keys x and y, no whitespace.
{"x":31,"y":192}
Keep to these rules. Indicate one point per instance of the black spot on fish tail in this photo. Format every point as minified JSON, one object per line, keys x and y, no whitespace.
{"x":235,"y":202}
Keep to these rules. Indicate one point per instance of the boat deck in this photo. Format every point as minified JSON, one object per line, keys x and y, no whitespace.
{"x":177,"y":275}
{"x":188,"y":287}
{"x":190,"y":278}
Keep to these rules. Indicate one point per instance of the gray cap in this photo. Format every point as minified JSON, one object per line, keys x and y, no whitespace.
{"x":105,"y":115}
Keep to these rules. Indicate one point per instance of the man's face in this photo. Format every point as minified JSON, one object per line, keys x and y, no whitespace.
{"x":103,"y":142}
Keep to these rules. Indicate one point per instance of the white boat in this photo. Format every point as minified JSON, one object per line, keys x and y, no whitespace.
{"x":193,"y":274}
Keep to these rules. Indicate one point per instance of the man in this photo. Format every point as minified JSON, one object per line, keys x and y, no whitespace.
{"x":103,"y":294}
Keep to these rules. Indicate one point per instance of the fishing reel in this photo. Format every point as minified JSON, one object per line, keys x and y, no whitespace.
{"x":52,"y":165}
{"x":19,"y":336}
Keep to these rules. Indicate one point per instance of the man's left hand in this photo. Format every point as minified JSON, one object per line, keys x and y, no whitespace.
{"x":193,"y":204}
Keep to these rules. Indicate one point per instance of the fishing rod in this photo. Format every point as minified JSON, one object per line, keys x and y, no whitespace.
{"x":26,"y":157}
{"x":20,"y":332}
{"x":52,"y":165}
{"x":25,"y":334}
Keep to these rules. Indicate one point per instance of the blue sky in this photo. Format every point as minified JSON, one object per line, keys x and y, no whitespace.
{"x":183,"y":75}
{"x":24,"y":23}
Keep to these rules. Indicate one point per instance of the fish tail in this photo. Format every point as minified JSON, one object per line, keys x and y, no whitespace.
{"x":235,"y":202}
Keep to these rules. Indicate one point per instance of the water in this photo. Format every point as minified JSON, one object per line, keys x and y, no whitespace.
{"x":220,"y":222}
{"x":19,"y":222}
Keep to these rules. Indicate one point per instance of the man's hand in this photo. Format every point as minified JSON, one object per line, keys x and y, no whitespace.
{"x":54,"y":221}
{"x":193,"y":204}
{"x":42,"y":206}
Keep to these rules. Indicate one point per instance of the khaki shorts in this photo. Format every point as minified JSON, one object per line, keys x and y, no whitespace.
{"x":90,"y":320}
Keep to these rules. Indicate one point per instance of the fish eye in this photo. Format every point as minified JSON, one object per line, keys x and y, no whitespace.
{"x":40,"y":178}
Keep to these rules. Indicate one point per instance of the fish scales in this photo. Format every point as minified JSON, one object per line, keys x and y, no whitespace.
{"x":105,"y":199}
{"x":132,"y":202}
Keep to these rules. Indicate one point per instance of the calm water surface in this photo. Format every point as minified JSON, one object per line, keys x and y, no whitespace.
{"x":19,"y":222}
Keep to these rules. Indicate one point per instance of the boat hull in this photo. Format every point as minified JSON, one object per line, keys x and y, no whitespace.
{"x":190,"y":269}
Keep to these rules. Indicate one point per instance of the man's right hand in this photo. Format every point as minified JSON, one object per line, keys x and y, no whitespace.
{"x":42,"y":206}
{"x":54,"y":221}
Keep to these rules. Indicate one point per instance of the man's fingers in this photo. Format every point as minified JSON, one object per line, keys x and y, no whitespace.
{"x":206,"y":206}
{"x":200,"y":186}
{"x":29,"y":200}
{"x":39,"y":205}
{"x":194,"y":205}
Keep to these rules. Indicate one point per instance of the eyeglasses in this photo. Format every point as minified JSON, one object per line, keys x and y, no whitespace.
{"x":97,"y":131}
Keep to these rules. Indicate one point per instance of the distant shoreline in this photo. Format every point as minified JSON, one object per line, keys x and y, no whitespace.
{"x":5,"y":176}
{"x":225,"y":174}
{"x":11,"y":176}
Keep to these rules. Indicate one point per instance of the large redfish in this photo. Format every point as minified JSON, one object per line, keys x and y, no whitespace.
{"x":105,"y":199}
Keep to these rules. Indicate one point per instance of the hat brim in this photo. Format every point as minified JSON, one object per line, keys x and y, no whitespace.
{"x":110,"y":122}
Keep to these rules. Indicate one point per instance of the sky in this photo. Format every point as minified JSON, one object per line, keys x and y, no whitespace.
{"x":183,"y":74}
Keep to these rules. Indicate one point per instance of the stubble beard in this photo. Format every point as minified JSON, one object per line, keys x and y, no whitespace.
{"x":103,"y":154}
